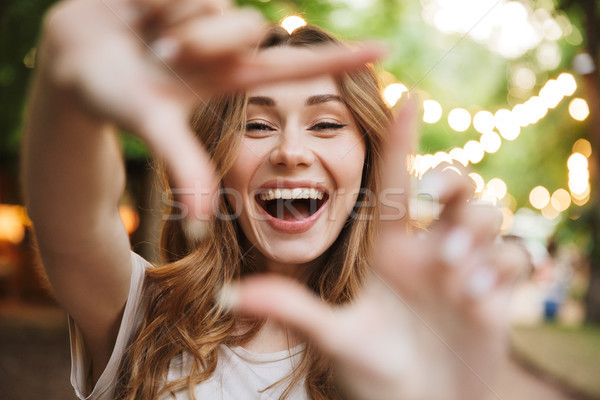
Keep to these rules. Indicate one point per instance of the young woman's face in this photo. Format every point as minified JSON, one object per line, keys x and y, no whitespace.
{"x":298,"y":170}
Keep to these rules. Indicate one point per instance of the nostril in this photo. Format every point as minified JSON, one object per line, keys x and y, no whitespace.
{"x":291,"y":155}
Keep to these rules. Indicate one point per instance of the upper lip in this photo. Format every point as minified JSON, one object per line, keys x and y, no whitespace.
{"x":290,"y":184}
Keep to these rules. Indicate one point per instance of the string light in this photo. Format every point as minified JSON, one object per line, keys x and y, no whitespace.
{"x":478,"y":180}
{"x":567,"y":83}
{"x":578,"y":109}
{"x":393,"y":92}
{"x":474,"y":151}
{"x":459,"y":119}
{"x":539,"y":197}
{"x":483,"y":121}
{"x":432,"y":111}
{"x":509,"y":124}
{"x":582,"y":146}
{"x":497,"y":188}
{"x":550,"y":212}
{"x":490,"y":142}
{"x":292,"y":23}
{"x":561,"y":200}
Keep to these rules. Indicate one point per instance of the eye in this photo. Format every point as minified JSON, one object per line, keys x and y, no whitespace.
{"x":325,"y":126}
{"x":258,"y":126}
{"x":259,"y":129}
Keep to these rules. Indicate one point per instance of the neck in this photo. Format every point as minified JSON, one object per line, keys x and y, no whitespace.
{"x":297,"y":271}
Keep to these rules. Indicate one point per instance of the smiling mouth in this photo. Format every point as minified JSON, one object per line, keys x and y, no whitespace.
{"x":291,"y":204}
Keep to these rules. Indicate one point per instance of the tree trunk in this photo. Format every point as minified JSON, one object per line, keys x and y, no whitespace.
{"x":591,"y":88}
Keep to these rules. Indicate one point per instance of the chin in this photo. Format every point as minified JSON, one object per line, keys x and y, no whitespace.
{"x":293,"y":253}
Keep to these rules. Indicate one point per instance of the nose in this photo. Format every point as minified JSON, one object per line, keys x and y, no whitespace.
{"x":291,"y":151}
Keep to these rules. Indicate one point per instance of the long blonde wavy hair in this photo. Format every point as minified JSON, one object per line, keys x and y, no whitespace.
{"x":181,"y":314}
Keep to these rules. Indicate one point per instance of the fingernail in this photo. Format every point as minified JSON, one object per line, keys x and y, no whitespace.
{"x":481,"y":282}
{"x":228,"y":296}
{"x":166,"y":48}
{"x":195,"y":230}
{"x":456,"y":246}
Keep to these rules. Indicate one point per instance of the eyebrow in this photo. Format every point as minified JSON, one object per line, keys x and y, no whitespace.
{"x":261,"y":101}
{"x":322,"y":98}
{"x":311,"y":101}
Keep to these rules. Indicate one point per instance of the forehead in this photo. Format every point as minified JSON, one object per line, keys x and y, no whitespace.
{"x":304,"y":88}
{"x":298,"y":89}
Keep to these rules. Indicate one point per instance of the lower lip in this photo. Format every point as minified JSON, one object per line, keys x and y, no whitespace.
{"x":293,"y":226}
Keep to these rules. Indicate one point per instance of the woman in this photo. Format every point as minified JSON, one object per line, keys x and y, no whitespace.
{"x":300,"y":166}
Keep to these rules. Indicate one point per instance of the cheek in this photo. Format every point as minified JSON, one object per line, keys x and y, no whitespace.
{"x":241,"y":171}
{"x":236,"y":180}
{"x":349,"y":166}
{"x":346,"y":165}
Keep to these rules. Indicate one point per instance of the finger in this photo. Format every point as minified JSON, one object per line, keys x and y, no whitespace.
{"x":473,"y":225}
{"x":482,"y":219}
{"x":402,"y":260}
{"x":212,"y":37}
{"x":164,"y":124}
{"x":396,"y":181}
{"x":288,"y":63}
{"x":169,"y":13}
{"x":448,"y":188}
{"x":511,"y":261}
{"x":288,"y":302}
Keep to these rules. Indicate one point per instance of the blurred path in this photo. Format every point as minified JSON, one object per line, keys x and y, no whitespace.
{"x":34,"y":353}
{"x":35,"y":361}
{"x":515,"y":383}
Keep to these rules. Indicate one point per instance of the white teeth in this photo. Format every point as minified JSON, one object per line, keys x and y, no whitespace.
{"x":295,"y":193}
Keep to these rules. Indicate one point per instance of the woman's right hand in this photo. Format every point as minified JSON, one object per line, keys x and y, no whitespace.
{"x":143,"y":65}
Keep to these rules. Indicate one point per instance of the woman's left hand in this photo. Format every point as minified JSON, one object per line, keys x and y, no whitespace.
{"x":430,"y":323}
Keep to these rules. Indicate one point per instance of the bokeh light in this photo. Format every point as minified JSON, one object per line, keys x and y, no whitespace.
{"x":459,"y":119}
{"x":393,"y":92}
{"x":582,"y":146}
{"x":478,"y":180}
{"x":12,"y":227}
{"x":524,"y":78}
{"x":567,"y":83}
{"x":292,"y":23}
{"x":474,"y":151}
{"x":490,"y":142}
{"x":459,"y":155}
{"x":560,"y":200}
{"x":576,"y":162}
{"x":497,"y":188}
{"x":483,"y":121}
{"x":539,"y":197}
{"x":551,"y":93}
{"x":130,"y":218}
{"x":578,"y":109}
{"x":432,"y":111}
{"x":507,"y":124}
{"x":581,"y":199}
{"x":550,"y":212}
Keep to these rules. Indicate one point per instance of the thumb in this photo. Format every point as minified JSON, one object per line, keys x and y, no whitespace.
{"x":287,"y":302}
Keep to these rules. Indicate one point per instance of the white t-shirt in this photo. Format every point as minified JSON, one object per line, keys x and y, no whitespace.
{"x":239,"y":375}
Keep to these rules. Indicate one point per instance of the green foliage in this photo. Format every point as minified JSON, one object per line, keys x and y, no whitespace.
{"x":19,"y":27}
{"x":451,"y":69}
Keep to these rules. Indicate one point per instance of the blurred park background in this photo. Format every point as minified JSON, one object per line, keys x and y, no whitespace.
{"x":510,"y":92}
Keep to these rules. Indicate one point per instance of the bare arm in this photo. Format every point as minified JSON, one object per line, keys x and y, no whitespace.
{"x":73,"y":178}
